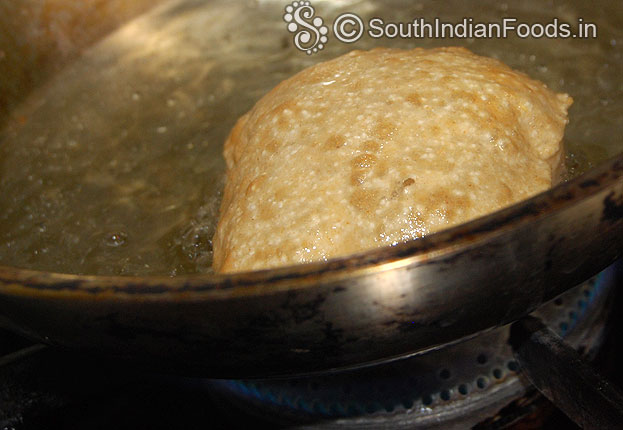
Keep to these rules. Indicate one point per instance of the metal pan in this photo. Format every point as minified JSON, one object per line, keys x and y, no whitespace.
{"x":374,"y":306}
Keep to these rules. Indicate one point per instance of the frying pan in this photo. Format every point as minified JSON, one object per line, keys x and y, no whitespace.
{"x":352,"y":311}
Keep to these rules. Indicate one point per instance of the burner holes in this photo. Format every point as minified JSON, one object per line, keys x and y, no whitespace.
{"x":445,"y":395}
{"x":513,"y":366}
{"x":444,"y":374}
{"x":407,"y":404}
{"x":564,"y":327}
{"x":497,"y":373}
{"x":427,"y":400}
{"x":558,"y":302}
{"x":481,"y":382}
{"x":482,"y":359}
{"x":581,"y":304}
{"x":464,"y":389}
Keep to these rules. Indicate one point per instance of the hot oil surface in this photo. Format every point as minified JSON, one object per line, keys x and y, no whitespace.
{"x":115,"y":166}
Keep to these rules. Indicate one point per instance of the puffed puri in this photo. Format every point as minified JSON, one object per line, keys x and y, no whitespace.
{"x":379,"y":147}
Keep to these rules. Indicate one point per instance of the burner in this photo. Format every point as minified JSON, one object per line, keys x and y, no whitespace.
{"x":455,"y":387}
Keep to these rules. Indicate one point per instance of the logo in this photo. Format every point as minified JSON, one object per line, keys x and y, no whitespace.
{"x":310,"y":34}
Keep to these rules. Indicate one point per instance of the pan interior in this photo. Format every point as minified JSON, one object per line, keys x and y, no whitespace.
{"x":114,"y":166}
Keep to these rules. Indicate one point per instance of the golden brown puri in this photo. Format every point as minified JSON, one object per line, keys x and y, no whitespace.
{"x":379,"y":147}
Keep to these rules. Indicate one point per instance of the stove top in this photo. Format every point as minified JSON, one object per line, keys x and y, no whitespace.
{"x":43,"y":388}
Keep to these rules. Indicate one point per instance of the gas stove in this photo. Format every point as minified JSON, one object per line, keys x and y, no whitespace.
{"x":473,"y":384}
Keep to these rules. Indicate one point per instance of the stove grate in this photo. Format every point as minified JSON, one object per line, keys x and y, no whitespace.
{"x":472,"y":379}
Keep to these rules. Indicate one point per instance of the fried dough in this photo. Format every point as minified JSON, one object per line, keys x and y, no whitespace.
{"x":379,"y":147}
